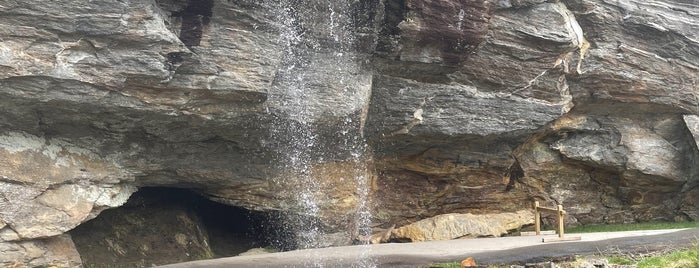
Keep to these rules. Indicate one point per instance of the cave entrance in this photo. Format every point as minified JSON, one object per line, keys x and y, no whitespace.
{"x":159,"y":225}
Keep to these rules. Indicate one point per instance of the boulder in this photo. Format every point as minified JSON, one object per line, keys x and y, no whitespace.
{"x":256,"y":251}
{"x":600,"y":167}
{"x":455,"y":226}
{"x":50,"y":186}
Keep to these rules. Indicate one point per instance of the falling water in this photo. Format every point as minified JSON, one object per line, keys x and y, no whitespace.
{"x":313,"y":47}
{"x":292,"y":81}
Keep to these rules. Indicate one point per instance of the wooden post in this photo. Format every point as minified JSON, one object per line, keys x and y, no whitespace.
{"x":560,"y":221}
{"x":537,"y":218}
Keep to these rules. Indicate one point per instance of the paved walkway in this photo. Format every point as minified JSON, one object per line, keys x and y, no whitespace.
{"x":484,"y":250}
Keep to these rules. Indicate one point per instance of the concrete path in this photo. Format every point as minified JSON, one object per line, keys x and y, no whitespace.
{"x":484,"y":251}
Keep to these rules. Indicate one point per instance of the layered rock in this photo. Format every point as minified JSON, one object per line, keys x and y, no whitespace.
{"x":451,"y":124}
{"x":608,"y":124}
{"x":102,"y":97}
{"x":468,"y":106}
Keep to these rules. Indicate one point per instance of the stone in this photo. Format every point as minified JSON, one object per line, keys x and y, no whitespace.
{"x":600,"y":263}
{"x":468,"y":262}
{"x":616,"y":71}
{"x":547,"y":264}
{"x":455,"y":226}
{"x":625,"y":145}
{"x":256,"y":251}
{"x":692,"y":124}
{"x":56,"y":251}
{"x":75,"y":187}
{"x":629,"y":155}
{"x":377,"y":236}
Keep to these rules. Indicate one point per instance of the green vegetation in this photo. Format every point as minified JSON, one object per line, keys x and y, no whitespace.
{"x":619,"y":260}
{"x":631,"y":227}
{"x":688,"y":258}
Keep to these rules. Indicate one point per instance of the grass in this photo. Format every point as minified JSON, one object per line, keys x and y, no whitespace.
{"x":688,"y":258}
{"x":631,"y":227}
{"x":443,"y":265}
{"x":619,"y":260}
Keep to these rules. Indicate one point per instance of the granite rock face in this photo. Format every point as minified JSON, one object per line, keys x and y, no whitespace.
{"x":432,"y":106}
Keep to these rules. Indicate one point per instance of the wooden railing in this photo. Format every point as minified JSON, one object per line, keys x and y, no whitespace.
{"x":560,"y":214}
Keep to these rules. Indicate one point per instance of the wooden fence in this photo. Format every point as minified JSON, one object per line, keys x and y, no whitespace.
{"x":560,"y":214}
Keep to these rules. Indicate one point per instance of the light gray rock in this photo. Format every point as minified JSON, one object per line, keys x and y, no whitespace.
{"x":692,"y":122}
{"x":406,"y":107}
{"x":644,"y":159}
{"x":639,"y":57}
{"x":51,"y":186}
{"x":624,"y":145}
{"x":97,"y":42}
{"x":256,"y":251}
{"x":547,"y":264}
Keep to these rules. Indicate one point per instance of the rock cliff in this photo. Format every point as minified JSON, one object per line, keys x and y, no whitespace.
{"x":426,"y":107}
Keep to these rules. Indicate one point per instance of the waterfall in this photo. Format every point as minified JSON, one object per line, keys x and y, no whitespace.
{"x":318,"y":58}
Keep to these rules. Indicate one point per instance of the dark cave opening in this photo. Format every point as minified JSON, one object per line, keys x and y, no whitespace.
{"x":160,"y":225}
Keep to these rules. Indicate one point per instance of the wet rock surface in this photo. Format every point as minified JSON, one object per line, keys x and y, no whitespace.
{"x":594,"y":101}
